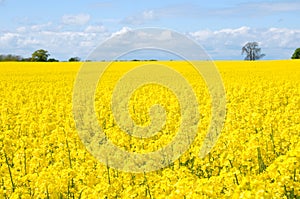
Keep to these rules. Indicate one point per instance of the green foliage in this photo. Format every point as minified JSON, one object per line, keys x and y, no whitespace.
{"x":74,"y":59}
{"x":10,"y":57}
{"x":296,"y":54}
{"x":53,"y":60}
{"x":40,"y":55}
{"x":28,"y":59}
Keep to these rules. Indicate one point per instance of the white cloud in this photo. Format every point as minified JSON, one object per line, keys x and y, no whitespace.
{"x":152,"y":42}
{"x":202,"y":35}
{"x":21,"y":29}
{"x":8,"y":38}
{"x":28,"y":41}
{"x":60,"y":44}
{"x":95,"y":29}
{"x":282,"y":37}
{"x":238,"y":31}
{"x":80,"y":19}
{"x":276,"y":43}
{"x":120,"y":32}
{"x":40,"y":27}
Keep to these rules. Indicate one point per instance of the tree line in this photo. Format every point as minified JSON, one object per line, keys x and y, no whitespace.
{"x":40,"y":55}
{"x":251,"y":49}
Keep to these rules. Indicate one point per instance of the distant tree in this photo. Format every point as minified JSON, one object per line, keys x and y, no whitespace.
{"x":10,"y":57}
{"x":28,"y":59}
{"x":296,"y":54}
{"x":53,"y":60}
{"x":253,"y":52}
{"x":40,"y":55}
{"x":74,"y":59}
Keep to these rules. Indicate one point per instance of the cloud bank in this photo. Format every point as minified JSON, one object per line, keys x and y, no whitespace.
{"x":276,"y":43}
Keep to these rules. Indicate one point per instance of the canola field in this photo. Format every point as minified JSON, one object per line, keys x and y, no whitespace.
{"x":256,"y":156}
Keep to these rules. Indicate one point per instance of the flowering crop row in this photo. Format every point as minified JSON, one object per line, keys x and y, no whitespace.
{"x":256,"y":156}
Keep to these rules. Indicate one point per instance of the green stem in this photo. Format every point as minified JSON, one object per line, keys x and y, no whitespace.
{"x":10,"y":174}
{"x":261,"y":164}
{"x":25,"y":160}
{"x":108,"y":175}
{"x":47,"y":193}
{"x":69,"y":153}
{"x":236,"y":179}
{"x":148,"y":188}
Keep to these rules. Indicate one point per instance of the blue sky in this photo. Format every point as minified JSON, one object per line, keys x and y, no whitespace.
{"x":69,"y":28}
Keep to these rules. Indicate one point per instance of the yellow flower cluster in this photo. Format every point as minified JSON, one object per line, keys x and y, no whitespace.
{"x":256,"y":156}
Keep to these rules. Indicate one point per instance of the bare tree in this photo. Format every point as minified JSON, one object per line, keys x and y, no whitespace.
{"x":253,"y":52}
